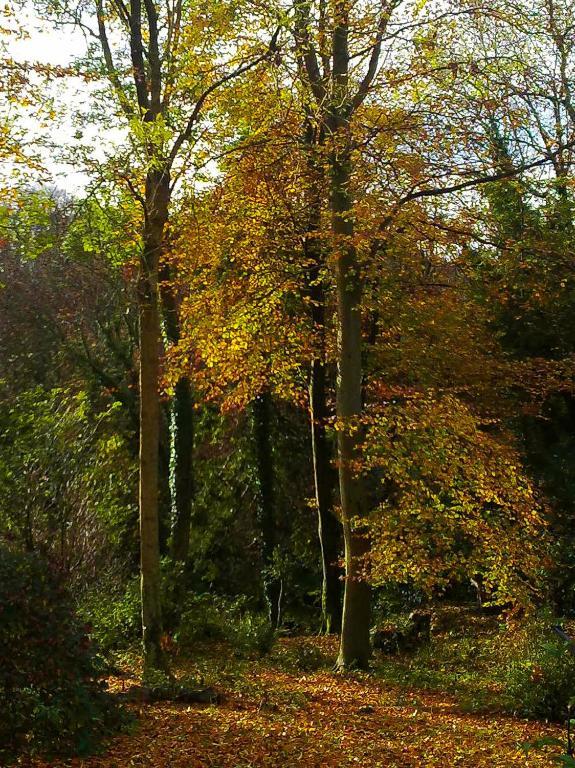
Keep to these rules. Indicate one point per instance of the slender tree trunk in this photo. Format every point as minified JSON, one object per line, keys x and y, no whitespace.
{"x":183,"y":442}
{"x":261,"y":409}
{"x":355,"y":647}
{"x":355,"y":644}
{"x":182,"y":427}
{"x":157,"y":199}
{"x":164,"y":483}
{"x":325,"y":478}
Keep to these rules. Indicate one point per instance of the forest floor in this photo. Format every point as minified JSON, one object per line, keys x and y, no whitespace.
{"x":273,"y":713}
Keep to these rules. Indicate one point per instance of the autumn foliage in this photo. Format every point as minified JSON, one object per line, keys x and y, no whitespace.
{"x":291,"y":353}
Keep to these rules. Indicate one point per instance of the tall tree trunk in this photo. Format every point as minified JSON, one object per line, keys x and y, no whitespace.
{"x":329,"y":529}
{"x":355,"y":644}
{"x":182,"y":426}
{"x":157,"y":199}
{"x":261,"y":409}
{"x":164,"y":481}
{"x":183,"y":447}
{"x":355,"y":647}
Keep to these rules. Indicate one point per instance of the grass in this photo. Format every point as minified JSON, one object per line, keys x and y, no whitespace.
{"x":467,"y":659}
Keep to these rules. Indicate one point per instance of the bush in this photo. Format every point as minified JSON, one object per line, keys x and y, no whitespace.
{"x":113,"y":607}
{"x":251,"y":632}
{"x":50,"y":695}
{"x":114,"y":617}
{"x":540,"y":680}
{"x":209,"y":617}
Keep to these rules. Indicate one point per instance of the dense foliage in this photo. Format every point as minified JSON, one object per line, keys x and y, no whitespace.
{"x":296,"y":354}
{"x":50,"y":691}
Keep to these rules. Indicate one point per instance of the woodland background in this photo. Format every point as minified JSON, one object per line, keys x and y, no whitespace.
{"x":296,"y":360}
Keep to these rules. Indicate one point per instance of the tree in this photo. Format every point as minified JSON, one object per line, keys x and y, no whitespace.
{"x":241,"y":334}
{"x":69,"y":382}
{"x":327,"y":76}
{"x":161,"y":89}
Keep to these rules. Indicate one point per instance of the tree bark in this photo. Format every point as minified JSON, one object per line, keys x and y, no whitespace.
{"x":324,"y":476}
{"x":182,"y":428}
{"x":355,"y":650}
{"x":261,"y":410}
{"x":183,"y":442}
{"x":157,"y":200}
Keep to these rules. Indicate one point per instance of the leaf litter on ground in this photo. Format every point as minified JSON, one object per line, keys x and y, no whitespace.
{"x":275,"y":715}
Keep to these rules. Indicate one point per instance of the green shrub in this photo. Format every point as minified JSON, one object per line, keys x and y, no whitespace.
{"x":251,"y":632}
{"x":114,"y":616}
{"x":210,"y":617}
{"x":203,"y":618}
{"x":50,"y":695}
{"x":114,"y":610}
{"x":540,"y":678}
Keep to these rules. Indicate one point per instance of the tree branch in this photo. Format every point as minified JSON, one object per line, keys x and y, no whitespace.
{"x":369,"y":76}
{"x":185,"y":135}
{"x":306,"y":54}
{"x":488,"y":178}
{"x":154,"y":57}
{"x":111,"y":70}
{"x":137,"y":55}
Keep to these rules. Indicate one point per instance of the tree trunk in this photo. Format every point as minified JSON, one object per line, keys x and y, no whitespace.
{"x":182,"y":427}
{"x":329,"y":529}
{"x":164,"y":481}
{"x":157,"y":199}
{"x":183,"y":447}
{"x":261,"y":409}
{"x":328,"y":526}
{"x":355,"y":649}
{"x":355,"y":645}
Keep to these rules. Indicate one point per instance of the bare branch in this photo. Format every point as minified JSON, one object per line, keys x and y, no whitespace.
{"x":509,"y":173}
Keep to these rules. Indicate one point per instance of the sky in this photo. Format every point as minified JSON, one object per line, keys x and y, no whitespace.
{"x":58,"y":47}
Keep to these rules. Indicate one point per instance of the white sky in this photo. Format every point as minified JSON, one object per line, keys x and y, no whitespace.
{"x":49,"y":46}
{"x":56,"y":47}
